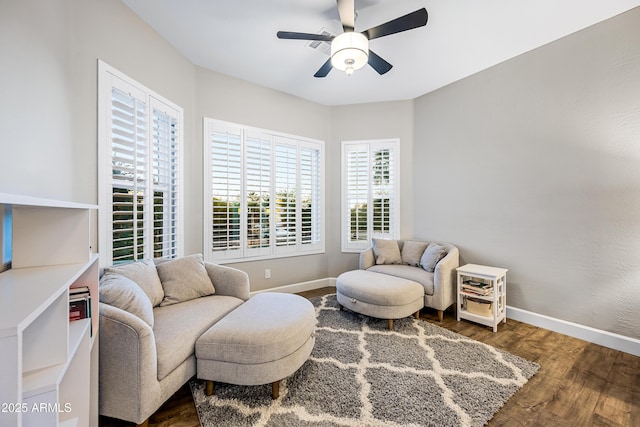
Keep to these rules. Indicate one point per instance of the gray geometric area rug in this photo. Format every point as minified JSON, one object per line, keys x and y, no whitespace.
{"x":362,"y":374}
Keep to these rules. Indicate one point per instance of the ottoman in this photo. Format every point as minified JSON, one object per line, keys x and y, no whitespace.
{"x":379,"y":295}
{"x":264,"y":340}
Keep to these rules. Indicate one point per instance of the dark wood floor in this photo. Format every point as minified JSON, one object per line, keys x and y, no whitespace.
{"x":578,"y":384}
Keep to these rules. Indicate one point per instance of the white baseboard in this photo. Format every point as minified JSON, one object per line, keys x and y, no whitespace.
{"x":301,"y":287}
{"x":586,"y":333}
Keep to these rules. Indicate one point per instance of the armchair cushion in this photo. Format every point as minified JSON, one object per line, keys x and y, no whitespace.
{"x":431,"y":256}
{"x":412,"y":252}
{"x":119,"y":291}
{"x":386,"y":251}
{"x":145,"y":275}
{"x":184,"y":279}
{"x":407,"y":272}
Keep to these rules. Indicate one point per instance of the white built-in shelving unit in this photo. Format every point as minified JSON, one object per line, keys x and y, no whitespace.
{"x":48,"y":369}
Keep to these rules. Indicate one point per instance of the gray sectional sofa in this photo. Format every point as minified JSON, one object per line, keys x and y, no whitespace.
{"x":151,"y":314}
{"x":431,"y":264}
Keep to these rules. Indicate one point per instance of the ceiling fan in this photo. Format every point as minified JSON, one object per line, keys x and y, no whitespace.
{"x":350,"y":50}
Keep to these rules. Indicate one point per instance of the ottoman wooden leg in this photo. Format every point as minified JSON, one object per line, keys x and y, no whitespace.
{"x":440,"y":315}
{"x":275,"y":389}
{"x":391,"y":324}
{"x":210,"y":389}
{"x":417,"y":314}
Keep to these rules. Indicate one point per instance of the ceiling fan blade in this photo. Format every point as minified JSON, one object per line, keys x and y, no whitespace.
{"x":324,"y":70}
{"x":378,"y":64}
{"x":347,"y":12}
{"x":289,"y":35}
{"x":407,"y":22}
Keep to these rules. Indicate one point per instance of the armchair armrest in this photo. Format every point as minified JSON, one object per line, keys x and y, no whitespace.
{"x":444,"y":279}
{"x":229,"y":281}
{"x":367,"y":259}
{"x":128,"y":365}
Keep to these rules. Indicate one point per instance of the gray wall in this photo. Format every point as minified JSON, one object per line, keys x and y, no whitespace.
{"x":48,"y":82}
{"x":35,"y":74}
{"x":226,"y":98}
{"x":534,"y":165}
{"x":49,"y":88}
{"x":358,"y":122}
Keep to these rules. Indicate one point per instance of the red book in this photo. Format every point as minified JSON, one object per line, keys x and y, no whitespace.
{"x":78,"y":309}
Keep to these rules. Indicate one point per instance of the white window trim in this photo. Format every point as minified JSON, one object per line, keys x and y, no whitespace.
{"x":371,"y":144}
{"x":106,"y":75}
{"x":273,"y":252}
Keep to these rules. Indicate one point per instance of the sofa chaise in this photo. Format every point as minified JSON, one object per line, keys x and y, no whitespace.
{"x":151,"y":315}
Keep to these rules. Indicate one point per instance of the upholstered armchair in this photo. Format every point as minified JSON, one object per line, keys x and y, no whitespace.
{"x":436,"y":271}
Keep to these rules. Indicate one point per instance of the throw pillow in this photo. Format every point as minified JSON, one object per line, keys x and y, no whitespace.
{"x":412,"y":252}
{"x":386,"y":251}
{"x":122,"y":292}
{"x":431,"y":256}
{"x":145,"y":275}
{"x":184,"y":279}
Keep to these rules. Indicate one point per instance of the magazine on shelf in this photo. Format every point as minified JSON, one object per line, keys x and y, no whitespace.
{"x":477,"y":291}
{"x":477,"y":284}
{"x":477,"y":288}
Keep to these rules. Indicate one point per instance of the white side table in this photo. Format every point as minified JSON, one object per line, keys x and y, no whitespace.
{"x":482,"y":294}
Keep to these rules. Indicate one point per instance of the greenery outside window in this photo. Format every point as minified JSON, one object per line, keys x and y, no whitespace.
{"x":266,"y":195}
{"x":140,"y":168}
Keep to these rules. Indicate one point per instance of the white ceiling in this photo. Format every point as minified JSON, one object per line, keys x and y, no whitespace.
{"x":462,"y":37}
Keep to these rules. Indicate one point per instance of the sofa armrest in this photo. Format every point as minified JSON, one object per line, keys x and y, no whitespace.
{"x":128,"y":365}
{"x":229,"y":281}
{"x":367,"y":259}
{"x":444,"y":279}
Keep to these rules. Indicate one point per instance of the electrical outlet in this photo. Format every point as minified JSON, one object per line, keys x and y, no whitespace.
{"x":267,"y":273}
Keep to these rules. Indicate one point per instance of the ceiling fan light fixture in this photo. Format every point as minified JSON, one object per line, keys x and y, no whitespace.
{"x":349,"y":52}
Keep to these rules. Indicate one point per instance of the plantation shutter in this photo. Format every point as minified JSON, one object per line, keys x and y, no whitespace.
{"x":226,"y":190}
{"x":370,"y":195}
{"x":267,"y":193}
{"x":258,"y":193}
{"x":129,"y":166}
{"x":286,"y":182}
{"x":310,"y":190}
{"x":382,"y":191}
{"x":165,"y":180}
{"x":357,"y":196}
{"x":139,"y":171}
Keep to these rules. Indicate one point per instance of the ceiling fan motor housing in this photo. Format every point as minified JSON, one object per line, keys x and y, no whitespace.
{"x":349,"y":51}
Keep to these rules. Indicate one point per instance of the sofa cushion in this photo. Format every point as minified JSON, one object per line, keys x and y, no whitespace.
{"x":408,"y":272}
{"x":184,"y":279}
{"x":386,"y":251}
{"x":178,"y":326}
{"x":431,"y":256}
{"x":412,"y":252}
{"x":123,"y":293}
{"x":145,"y":275}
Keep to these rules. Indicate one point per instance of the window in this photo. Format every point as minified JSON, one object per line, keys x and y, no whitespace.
{"x":140,"y":166}
{"x":370,"y":192}
{"x":266,"y":193}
